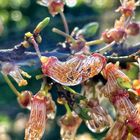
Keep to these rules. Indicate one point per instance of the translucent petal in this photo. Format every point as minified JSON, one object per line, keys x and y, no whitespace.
{"x":36,"y":124}
{"x":69,"y":126}
{"x":100,"y":119}
{"x":75,"y":70}
{"x":15,"y":72}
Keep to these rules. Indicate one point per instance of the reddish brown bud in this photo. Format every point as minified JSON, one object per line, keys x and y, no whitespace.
{"x":56,"y":7}
{"x":117,"y":34}
{"x":133,"y":29}
{"x":25,"y":98}
{"x":107,"y":38}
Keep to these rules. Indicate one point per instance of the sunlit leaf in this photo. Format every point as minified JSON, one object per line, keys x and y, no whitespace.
{"x":123,"y":83}
{"x":90,"y":29}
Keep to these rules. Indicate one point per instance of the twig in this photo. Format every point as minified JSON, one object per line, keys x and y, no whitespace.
{"x":64,"y":22}
{"x":129,"y":58}
{"x":106,"y":48}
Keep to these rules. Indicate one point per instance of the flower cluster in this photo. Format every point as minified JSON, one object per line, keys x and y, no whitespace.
{"x":81,"y":68}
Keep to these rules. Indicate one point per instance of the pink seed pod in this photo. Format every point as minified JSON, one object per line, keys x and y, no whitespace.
{"x":69,"y":126}
{"x":74,"y":71}
{"x":25,"y":98}
{"x":100,"y":119}
{"x":37,"y":120}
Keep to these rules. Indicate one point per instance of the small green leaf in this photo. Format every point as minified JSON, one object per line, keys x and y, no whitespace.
{"x":90,"y":29}
{"x":82,"y":112}
{"x":123,"y":83}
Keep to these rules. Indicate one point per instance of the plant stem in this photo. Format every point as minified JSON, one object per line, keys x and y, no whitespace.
{"x":55,"y":30}
{"x":104,"y":49}
{"x":17,"y":93}
{"x":64,"y":22}
{"x":43,"y":84}
{"x":36,"y":47}
{"x":94,"y":42}
{"x":130,"y":58}
{"x":70,"y":89}
{"x":68,"y":109}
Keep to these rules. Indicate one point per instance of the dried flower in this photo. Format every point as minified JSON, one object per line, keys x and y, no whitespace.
{"x":38,"y":116}
{"x":75,"y":70}
{"x":123,"y":105}
{"x":115,"y":78}
{"x":15,"y":72}
{"x":69,"y":126}
{"x":100,"y":120}
{"x":50,"y":107}
{"x":133,"y":122}
{"x":117,"y":132}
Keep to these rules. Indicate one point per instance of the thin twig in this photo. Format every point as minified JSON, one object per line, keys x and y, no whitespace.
{"x":64,"y":22}
{"x":106,"y":48}
{"x":129,"y":58}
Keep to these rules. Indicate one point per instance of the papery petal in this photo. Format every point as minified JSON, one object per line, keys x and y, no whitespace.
{"x":100,"y":119}
{"x":36,"y":124}
{"x":112,"y":73}
{"x":117,"y":132}
{"x":15,"y":72}
{"x":69,"y":126}
{"x":75,"y":70}
{"x":50,"y":108}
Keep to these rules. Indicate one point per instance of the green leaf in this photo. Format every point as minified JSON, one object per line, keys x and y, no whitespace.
{"x":123,"y":83}
{"x":82,"y":112}
{"x":90,"y":29}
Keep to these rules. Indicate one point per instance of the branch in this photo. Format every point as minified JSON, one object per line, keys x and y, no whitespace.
{"x":19,"y":55}
{"x":129,"y":58}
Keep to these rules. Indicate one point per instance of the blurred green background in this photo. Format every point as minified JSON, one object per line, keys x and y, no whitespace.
{"x":19,"y":16}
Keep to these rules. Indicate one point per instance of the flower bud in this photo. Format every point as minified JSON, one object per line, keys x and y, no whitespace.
{"x":107,"y":38}
{"x":117,"y":34}
{"x":133,"y":29}
{"x":25,"y":98}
